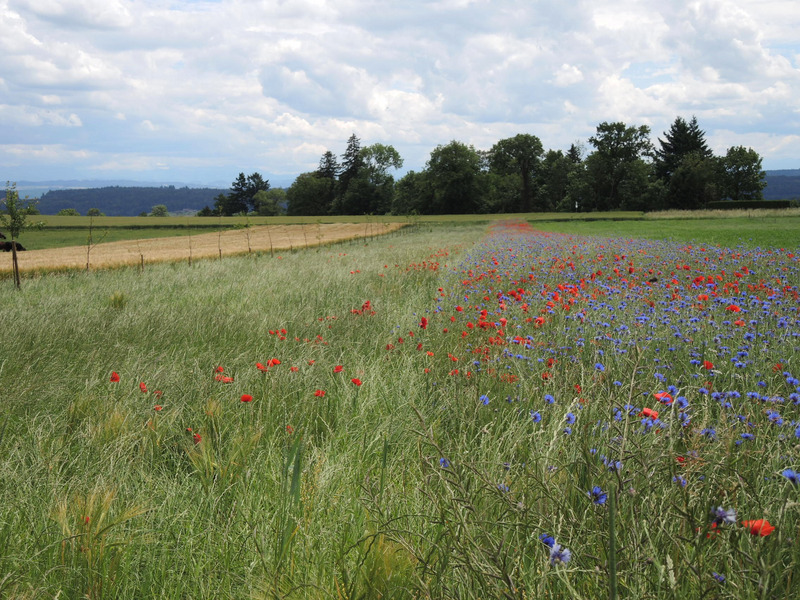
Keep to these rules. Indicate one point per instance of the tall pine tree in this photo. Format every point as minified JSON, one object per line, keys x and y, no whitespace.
{"x":351,"y":165}
{"x":682,"y":139}
{"x":686,"y":167}
{"x":328,"y":170}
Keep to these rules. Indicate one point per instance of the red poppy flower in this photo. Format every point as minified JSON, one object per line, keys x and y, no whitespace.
{"x":247,"y":398}
{"x":356,"y":381}
{"x":197,"y":438}
{"x":649,"y":412}
{"x":294,"y":369}
{"x":224,"y":379}
{"x":760,"y":527}
{"x":319,"y":393}
{"x":733,"y":308}
{"x":158,"y":408}
{"x":114,"y":377}
{"x":158,"y":394}
{"x":289,"y":429}
{"x":219,"y":370}
{"x":708,"y":365}
{"x":260,"y":367}
{"x":143,"y":387}
{"x":272,"y":362}
{"x":423,"y":323}
{"x":459,"y":309}
{"x":663,"y":397}
{"x":338,"y":369}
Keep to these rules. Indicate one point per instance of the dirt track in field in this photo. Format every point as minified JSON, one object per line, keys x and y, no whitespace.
{"x":205,"y":245}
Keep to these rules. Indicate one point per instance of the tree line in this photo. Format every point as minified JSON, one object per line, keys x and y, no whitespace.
{"x":622,"y":169}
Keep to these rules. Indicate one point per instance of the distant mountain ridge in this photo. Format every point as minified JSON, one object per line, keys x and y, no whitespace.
{"x":782,"y":185}
{"x":128,"y":201}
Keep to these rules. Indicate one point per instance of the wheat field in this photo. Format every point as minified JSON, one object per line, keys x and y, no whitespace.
{"x":186,"y":248}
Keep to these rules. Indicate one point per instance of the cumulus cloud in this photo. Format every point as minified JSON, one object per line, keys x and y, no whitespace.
{"x":94,"y":14}
{"x":269,"y":85}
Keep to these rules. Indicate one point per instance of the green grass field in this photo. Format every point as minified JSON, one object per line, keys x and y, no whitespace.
{"x":728,"y":228}
{"x":412,"y":417}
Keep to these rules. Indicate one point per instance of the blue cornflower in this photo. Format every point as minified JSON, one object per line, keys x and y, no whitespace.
{"x":444,"y":463}
{"x":536,"y":416}
{"x":567,"y":430}
{"x":484,"y":399}
{"x":547,"y":539}
{"x":502,"y":487}
{"x":722,"y":515}
{"x":570,"y":418}
{"x":791,"y":475}
{"x":680,"y":480}
{"x":559,"y":555}
{"x":597,"y":495}
{"x":718,"y":576}
{"x":549,"y":398}
{"x":599,"y":367}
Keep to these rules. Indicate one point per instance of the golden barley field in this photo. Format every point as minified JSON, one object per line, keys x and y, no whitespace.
{"x":267,"y":238}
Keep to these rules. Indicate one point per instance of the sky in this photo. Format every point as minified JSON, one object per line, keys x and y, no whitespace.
{"x":199,"y":91}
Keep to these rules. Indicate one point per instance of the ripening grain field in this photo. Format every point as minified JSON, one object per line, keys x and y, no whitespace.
{"x":470,"y":411}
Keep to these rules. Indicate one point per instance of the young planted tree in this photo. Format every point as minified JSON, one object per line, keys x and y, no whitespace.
{"x":14,"y":215}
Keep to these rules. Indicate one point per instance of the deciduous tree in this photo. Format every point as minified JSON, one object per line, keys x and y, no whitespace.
{"x":270,"y":203}
{"x":306,"y":195}
{"x":617,"y":147}
{"x":520,"y":156}
{"x":742,"y":176}
{"x":453,"y":172}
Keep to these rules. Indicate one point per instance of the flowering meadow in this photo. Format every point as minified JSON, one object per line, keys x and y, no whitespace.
{"x":454,"y":412}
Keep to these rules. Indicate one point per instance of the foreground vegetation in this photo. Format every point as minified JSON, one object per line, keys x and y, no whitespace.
{"x":460,"y":412}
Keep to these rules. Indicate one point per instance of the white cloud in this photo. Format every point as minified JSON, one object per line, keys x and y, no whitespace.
{"x":101,"y":14}
{"x":236,"y":85}
{"x":568,"y":75}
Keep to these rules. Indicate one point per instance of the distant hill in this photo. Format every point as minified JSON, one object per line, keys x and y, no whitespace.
{"x":782,"y":185}
{"x":118,"y":201}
